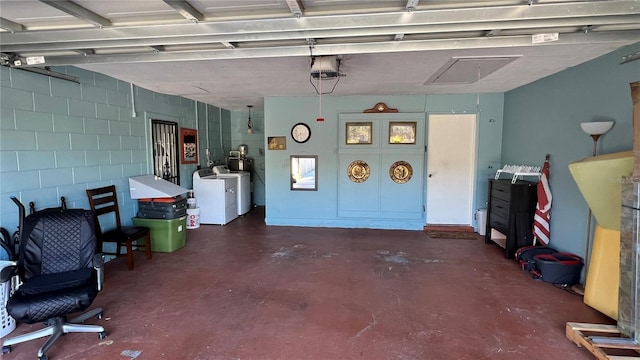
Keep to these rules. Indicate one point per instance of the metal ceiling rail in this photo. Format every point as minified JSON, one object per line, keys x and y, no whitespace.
{"x":506,"y":14}
{"x":351,"y":48}
{"x":234,"y":37}
{"x":185,"y":9}
{"x":78,"y":11}
{"x":10,"y":25}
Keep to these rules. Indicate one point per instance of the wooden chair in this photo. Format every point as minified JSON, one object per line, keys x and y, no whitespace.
{"x":104,"y":201}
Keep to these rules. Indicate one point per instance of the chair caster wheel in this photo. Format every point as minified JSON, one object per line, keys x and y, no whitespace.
{"x":99,"y":316}
{"x":6,"y":349}
{"x":43,"y":357}
{"x":102,"y":335}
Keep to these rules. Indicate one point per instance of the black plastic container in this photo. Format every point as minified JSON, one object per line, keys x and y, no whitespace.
{"x":559,"y":268}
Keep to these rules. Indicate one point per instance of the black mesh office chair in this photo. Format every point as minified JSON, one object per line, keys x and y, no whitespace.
{"x":60,"y":273}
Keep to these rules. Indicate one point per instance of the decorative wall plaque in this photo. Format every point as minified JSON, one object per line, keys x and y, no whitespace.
{"x":400,"y":172}
{"x":381,"y":108}
{"x":358,"y":171}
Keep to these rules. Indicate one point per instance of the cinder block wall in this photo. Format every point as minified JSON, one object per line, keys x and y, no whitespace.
{"x":59,"y":138}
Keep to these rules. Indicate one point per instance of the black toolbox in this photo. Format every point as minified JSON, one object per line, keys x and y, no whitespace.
{"x":162,"y":208}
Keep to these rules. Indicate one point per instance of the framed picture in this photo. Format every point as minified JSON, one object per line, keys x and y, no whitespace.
{"x":277,"y":142}
{"x":359,"y":133}
{"x":189,"y":145}
{"x":402,"y":132}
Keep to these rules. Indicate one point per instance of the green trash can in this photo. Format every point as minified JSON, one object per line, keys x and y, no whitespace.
{"x":167,"y":235}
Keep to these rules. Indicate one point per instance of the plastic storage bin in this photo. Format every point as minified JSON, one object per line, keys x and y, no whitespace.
{"x":166,"y":235}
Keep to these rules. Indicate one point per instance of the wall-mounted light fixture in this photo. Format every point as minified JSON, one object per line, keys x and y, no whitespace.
{"x":249,"y":122}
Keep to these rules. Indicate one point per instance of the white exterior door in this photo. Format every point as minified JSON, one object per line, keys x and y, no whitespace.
{"x":451,"y":153}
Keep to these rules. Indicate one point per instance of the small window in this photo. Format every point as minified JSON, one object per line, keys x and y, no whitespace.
{"x":304,"y":169}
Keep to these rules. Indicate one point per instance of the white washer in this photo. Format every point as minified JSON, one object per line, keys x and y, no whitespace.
{"x":243,"y":179}
{"x":216,"y":197}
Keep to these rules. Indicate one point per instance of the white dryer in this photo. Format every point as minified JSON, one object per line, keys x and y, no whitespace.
{"x":243,"y":179}
{"x":216,"y":197}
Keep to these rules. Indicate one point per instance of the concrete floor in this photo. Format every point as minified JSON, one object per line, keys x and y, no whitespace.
{"x":248,"y":291}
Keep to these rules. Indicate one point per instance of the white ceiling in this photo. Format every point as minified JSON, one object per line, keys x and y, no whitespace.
{"x":232,"y":53}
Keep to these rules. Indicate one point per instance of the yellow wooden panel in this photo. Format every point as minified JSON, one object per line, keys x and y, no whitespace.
{"x":603,"y":277}
{"x":599,"y":179}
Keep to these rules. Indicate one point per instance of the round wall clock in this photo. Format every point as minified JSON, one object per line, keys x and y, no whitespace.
{"x":300,"y":133}
{"x":400,"y":172}
{"x":358,"y":171}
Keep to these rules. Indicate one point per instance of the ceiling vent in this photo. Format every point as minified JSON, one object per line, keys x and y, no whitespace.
{"x":467,"y":70}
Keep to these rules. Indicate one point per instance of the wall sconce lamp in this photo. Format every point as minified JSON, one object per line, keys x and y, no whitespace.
{"x":595,"y":130}
{"x":249,"y":123}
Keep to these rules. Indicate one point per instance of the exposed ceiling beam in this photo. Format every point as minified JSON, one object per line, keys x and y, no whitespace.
{"x":10,"y":25}
{"x":535,"y":18}
{"x":351,"y":48}
{"x":508,"y":16}
{"x":296,"y":7}
{"x":78,"y":11}
{"x":186,"y":10}
{"x":410,"y":7}
{"x":204,"y":33}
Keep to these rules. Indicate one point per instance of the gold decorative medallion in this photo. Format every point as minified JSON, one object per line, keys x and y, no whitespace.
{"x":400,"y":172}
{"x":358,"y":171}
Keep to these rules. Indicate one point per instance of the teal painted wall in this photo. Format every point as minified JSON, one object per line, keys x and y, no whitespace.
{"x":544,"y":117}
{"x":256,"y":143}
{"x":59,"y":138}
{"x":319,"y":208}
